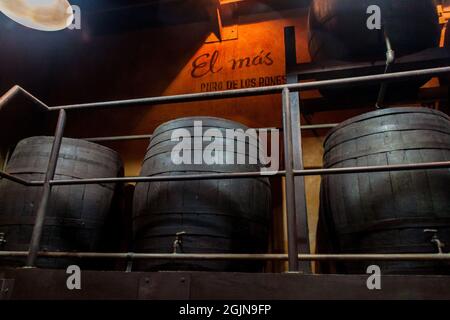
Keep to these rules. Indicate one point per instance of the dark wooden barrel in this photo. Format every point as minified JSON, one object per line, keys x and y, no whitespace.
{"x":77,"y":215}
{"x":217,"y":216}
{"x":338,"y":34}
{"x":387,"y":212}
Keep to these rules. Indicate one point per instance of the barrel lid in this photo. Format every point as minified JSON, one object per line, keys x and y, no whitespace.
{"x":75,"y":142}
{"x":207,"y":122}
{"x":72,"y":141}
{"x":384,"y":112}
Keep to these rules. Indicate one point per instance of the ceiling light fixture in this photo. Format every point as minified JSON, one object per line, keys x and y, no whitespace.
{"x":44,"y":15}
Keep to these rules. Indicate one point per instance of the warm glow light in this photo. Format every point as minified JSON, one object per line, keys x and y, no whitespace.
{"x":230,"y":1}
{"x":45,"y":15}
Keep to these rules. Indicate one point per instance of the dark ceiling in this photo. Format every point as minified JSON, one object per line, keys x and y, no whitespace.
{"x":103,"y":5}
{"x":111,"y":16}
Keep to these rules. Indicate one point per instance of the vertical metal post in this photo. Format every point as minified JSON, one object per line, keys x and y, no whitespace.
{"x":301,"y":215}
{"x":290,"y":187}
{"x":46,"y":192}
{"x":301,"y":212}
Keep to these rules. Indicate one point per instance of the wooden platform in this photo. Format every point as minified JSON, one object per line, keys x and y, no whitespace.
{"x":19,"y":284}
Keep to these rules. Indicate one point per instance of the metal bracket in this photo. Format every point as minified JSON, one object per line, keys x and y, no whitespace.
{"x":434,"y":239}
{"x":165,"y":286}
{"x":224,"y":22}
{"x":443,"y":13}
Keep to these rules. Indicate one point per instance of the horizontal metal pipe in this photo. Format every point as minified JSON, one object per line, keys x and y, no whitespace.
{"x":16,"y":91}
{"x":230,"y":256}
{"x":238,"y":175}
{"x":257,"y":91}
{"x":13,"y":178}
{"x":394,"y":167}
{"x":148,"y":136}
{"x":319,"y":126}
{"x":231,"y":175}
{"x":119,"y":138}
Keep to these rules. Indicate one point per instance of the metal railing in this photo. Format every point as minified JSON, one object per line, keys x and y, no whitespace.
{"x":290,"y":173}
{"x":234,"y":256}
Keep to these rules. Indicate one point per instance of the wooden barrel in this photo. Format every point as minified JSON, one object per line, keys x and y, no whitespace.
{"x":338,"y":34}
{"x":216,"y":216}
{"x":77,"y":215}
{"x":387,"y":212}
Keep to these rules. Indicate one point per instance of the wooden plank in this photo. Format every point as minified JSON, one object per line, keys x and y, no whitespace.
{"x":35,"y":284}
{"x":111,"y":285}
